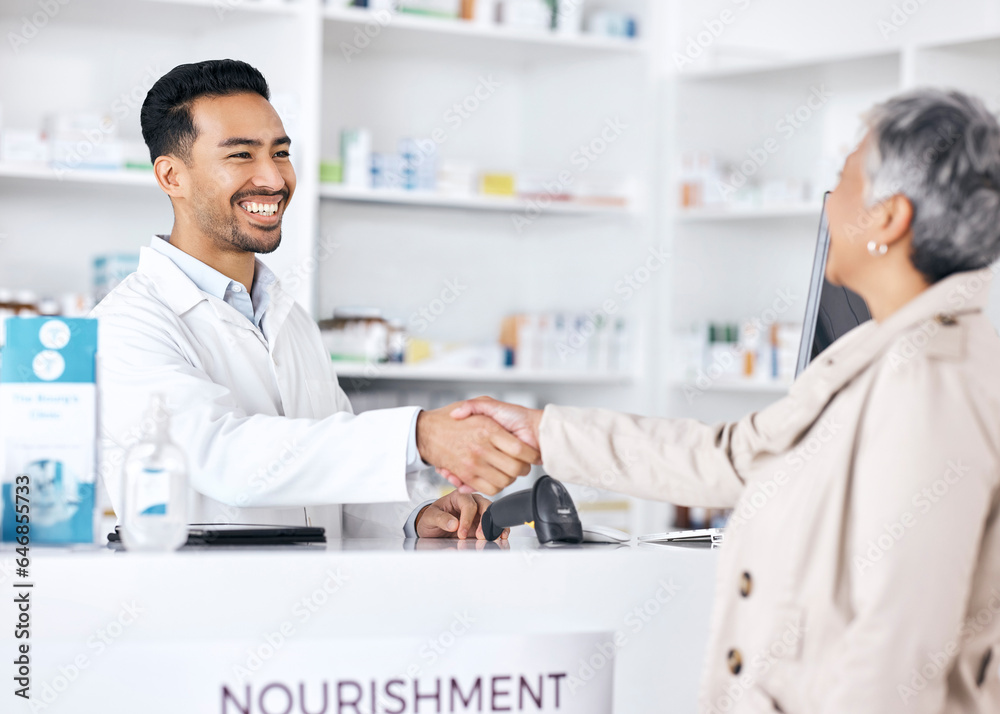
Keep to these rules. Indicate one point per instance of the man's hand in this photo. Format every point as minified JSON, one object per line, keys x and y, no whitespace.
{"x":454,"y":516}
{"x":475,"y":451}
{"x":519,"y":421}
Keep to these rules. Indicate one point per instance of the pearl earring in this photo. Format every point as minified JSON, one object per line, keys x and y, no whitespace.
{"x":876,"y":249}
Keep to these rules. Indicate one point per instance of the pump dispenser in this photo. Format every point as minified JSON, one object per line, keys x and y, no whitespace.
{"x":155,"y":480}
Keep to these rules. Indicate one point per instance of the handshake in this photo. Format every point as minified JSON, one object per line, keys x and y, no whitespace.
{"x":480,"y":444}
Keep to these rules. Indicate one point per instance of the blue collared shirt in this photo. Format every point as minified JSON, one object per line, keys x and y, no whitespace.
{"x":251,"y":305}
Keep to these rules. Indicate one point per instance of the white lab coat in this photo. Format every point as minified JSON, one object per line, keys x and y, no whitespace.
{"x":268,"y":433}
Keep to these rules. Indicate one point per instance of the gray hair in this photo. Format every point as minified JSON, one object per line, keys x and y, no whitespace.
{"x":940,"y":149}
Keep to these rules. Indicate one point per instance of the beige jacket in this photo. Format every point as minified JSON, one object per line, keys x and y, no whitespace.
{"x":861,"y":567}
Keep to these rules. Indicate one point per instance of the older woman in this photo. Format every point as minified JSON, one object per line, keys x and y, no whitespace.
{"x":861,"y":570}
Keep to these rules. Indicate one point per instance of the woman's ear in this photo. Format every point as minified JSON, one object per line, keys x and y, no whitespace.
{"x":896,"y":219}
{"x":170,"y":175}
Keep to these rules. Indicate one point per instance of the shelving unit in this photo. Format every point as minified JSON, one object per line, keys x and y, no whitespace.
{"x":340,"y":247}
{"x":554,"y":93}
{"x":771,"y":60}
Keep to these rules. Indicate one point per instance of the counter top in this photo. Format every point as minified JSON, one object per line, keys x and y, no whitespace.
{"x":346,"y":594}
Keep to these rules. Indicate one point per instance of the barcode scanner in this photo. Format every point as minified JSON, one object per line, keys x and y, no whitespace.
{"x":546,"y":507}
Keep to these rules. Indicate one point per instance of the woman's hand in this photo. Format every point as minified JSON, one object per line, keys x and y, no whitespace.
{"x":519,"y":421}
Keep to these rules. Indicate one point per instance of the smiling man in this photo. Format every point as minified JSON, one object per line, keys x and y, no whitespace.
{"x":269,"y":435}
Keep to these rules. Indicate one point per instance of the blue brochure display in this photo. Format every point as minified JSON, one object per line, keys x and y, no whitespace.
{"x":48,"y":427}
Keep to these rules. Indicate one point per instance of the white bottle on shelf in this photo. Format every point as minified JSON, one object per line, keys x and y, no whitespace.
{"x":154,"y":516}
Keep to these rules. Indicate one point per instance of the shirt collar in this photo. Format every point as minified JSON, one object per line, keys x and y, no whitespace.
{"x":181,"y":291}
{"x":207,"y":278}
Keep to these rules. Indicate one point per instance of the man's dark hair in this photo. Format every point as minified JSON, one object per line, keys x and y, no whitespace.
{"x":167,"y":126}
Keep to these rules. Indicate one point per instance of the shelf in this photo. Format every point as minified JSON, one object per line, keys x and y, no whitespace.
{"x":693,"y":215}
{"x":462,"y":38}
{"x":174,"y":16}
{"x":122,"y":177}
{"x":746,"y":386}
{"x":474,"y":203}
{"x":778,"y":65}
{"x":416,"y":373}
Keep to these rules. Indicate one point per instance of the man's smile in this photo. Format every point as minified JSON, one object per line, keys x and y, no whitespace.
{"x":264,"y":209}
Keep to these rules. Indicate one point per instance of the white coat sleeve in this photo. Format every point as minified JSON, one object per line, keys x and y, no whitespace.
{"x":920,"y":495}
{"x":387,"y":520}
{"x":235,"y":458}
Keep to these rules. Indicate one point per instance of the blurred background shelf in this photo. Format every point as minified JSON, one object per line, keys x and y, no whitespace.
{"x":398,"y":372}
{"x":736,"y":385}
{"x":476,"y":203}
{"x":109,"y":177}
{"x":698,"y":215}
{"x":414,"y":34}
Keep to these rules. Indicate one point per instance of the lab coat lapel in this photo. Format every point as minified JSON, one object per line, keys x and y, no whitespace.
{"x":175,"y":288}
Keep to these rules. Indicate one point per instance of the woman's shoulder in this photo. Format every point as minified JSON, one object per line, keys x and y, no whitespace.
{"x":948,"y":364}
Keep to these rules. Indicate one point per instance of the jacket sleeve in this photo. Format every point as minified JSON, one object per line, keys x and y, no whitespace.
{"x":921,"y":489}
{"x":233,"y":457}
{"x":678,"y":460}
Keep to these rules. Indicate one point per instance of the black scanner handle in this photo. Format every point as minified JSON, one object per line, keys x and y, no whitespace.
{"x":547,"y":505}
{"x":512,"y":510}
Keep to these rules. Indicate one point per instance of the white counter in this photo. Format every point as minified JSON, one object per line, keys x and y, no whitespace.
{"x":126,"y":632}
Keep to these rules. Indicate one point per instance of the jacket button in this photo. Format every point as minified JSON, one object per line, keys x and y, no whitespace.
{"x":746,"y":584}
{"x":735,"y":661}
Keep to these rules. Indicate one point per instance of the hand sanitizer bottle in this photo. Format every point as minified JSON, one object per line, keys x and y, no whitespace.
{"x":155,"y":487}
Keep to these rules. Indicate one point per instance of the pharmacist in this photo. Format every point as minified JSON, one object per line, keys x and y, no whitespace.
{"x":268,"y":434}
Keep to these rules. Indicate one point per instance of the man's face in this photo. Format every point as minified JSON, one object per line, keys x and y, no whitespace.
{"x":241,"y":177}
